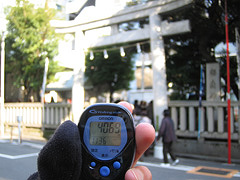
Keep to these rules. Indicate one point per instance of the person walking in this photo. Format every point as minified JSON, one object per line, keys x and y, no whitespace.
{"x":168,"y":135}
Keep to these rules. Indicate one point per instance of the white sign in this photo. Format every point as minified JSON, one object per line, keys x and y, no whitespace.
{"x":213,"y":81}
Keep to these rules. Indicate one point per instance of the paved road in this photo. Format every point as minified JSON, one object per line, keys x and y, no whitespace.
{"x":185,"y":170}
{"x":17,"y":162}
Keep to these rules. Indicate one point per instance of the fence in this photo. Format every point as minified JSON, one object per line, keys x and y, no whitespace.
{"x":32,"y":114}
{"x":213,"y":119}
{"x":184,"y":113}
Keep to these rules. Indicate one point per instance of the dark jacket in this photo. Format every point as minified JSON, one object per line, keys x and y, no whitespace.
{"x":166,"y":130}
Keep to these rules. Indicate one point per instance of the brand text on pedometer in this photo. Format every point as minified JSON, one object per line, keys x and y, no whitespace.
{"x":93,"y":111}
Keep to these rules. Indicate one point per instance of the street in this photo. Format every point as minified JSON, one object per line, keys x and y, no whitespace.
{"x":19,"y":161}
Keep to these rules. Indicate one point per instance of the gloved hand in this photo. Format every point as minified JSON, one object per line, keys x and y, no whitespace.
{"x":60,"y":158}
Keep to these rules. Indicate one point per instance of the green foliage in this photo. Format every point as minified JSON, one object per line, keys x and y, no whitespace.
{"x":109,"y":75}
{"x":233,"y":72}
{"x":30,"y":41}
{"x":186,"y":52}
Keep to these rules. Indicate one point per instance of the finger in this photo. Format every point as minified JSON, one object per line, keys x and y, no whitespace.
{"x":145,"y":135}
{"x":127,"y":105}
{"x":138,"y":173}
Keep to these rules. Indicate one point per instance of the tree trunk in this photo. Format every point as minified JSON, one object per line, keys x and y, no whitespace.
{"x":111,"y":94}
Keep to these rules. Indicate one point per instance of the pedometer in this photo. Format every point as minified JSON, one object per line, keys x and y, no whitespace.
{"x":108,"y":141}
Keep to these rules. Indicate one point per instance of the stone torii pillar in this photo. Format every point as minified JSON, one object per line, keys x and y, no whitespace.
{"x":78,"y":85}
{"x":159,"y":68}
{"x":158,"y":29}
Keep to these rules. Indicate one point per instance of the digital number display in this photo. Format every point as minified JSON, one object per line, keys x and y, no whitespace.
{"x":105,"y":133}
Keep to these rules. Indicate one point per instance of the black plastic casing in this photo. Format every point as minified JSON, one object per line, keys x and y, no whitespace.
{"x":125,"y":157}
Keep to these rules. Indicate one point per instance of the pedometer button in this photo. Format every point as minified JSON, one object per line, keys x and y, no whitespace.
{"x":104,"y":171}
{"x":93,"y":164}
{"x":116,"y":165}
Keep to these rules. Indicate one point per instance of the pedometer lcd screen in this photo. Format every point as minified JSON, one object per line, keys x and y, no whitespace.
{"x":105,"y":133}
{"x":105,"y":136}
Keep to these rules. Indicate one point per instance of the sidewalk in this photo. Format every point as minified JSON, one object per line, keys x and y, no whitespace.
{"x":197,"y":166}
{"x":193,"y":167}
{"x":194,"y":162}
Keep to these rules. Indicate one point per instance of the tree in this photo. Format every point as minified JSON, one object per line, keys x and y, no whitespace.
{"x":30,"y":41}
{"x":109,"y":75}
{"x":185,"y":53}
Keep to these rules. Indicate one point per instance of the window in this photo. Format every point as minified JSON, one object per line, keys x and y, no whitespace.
{"x":133,"y":25}
{"x":144,"y":73}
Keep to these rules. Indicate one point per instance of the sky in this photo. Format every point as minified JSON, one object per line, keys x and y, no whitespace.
{"x":221,"y":46}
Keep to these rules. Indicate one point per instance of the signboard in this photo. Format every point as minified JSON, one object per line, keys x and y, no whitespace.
{"x":213,"y":81}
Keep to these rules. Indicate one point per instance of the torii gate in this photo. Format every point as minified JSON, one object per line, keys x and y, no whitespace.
{"x":154,"y":32}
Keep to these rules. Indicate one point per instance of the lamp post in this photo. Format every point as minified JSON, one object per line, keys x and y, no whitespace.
{"x":3,"y":25}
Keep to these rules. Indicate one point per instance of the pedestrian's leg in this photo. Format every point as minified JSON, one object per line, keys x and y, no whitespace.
{"x":165,"y":151}
{"x":173,"y":157}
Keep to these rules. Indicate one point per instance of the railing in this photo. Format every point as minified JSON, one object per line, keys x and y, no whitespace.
{"x":213,"y":119}
{"x":32,"y":114}
{"x":213,"y":123}
{"x":56,"y":113}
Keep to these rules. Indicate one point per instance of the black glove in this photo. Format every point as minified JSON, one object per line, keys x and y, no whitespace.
{"x":60,"y":158}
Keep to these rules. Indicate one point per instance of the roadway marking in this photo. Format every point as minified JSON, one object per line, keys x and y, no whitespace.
{"x":21,"y":156}
{"x":18,"y":156}
{"x":180,"y":167}
{"x":211,"y":171}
